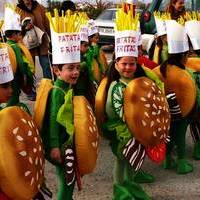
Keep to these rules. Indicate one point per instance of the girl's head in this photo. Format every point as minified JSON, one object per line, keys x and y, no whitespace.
{"x":84,"y":47}
{"x":69,"y":73}
{"x":176,"y":8}
{"x":126,"y":66}
{"x":5,"y":92}
{"x":13,"y":35}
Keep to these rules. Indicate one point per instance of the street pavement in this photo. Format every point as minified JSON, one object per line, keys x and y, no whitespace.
{"x":98,"y":185}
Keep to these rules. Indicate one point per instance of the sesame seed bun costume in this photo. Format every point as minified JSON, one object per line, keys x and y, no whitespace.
{"x":181,"y":91}
{"x":24,"y":74}
{"x":66,"y":121}
{"x":21,"y":152}
{"x":132,"y":133}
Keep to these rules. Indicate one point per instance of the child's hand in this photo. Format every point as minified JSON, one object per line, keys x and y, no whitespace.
{"x":56,"y":155}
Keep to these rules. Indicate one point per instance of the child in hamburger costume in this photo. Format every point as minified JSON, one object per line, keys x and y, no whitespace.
{"x":59,"y":107}
{"x":192,"y":26}
{"x":181,"y":91}
{"x":24,"y":75}
{"x":126,"y":141}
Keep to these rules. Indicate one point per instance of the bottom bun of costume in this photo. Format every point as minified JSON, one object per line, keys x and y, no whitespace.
{"x":21,"y":155}
{"x":146,"y":112}
{"x":179,"y":81}
{"x":12,"y":56}
{"x":100,"y":102}
{"x":86,"y":135}
{"x":193,"y":63}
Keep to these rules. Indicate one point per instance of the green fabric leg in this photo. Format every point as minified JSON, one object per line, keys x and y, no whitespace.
{"x":118,"y":172}
{"x":177,"y":134}
{"x":14,"y":100}
{"x":64,"y":192}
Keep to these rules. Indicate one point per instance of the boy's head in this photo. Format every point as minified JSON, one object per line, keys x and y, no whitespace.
{"x":13,"y":35}
{"x":27,"y":23}
{"x":68,"y":73}
{"x":94,"y":39}
{"x":84,"y":47}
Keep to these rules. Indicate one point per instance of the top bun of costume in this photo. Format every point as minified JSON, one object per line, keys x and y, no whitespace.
{"x":21,"y":155}
{"x":178,"y":80}
{"x":145,"y":108}
{"x":65,"y":35}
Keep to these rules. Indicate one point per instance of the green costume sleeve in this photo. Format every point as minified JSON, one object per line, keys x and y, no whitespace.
{"x":65,"y":115}
{"x":56,"y":101}
{"x":164,"y":53}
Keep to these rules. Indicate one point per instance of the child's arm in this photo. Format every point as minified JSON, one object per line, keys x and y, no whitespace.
{"x":56,"y":101}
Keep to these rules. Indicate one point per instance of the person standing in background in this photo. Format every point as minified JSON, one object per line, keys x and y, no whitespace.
{"x":34,"y":10}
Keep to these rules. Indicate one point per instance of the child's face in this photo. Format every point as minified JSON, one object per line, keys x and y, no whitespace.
{"x":179,"y":5}
{"x":126,"y":66}
{"x":69,"y":73}
{"x":5,"y":92}
{"x":84,"y":47}
{"x":94,"y":39}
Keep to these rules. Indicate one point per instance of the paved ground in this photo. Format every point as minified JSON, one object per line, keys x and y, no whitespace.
{"x":98,"y":186}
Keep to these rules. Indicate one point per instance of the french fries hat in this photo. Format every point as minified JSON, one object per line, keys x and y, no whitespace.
{"x":160,"y":23}
{"x":192,"y":26}
{"x":65,"y":37}
{"x":6,"y":72}
{"x":176,"y":37}
{"x":126,"y":34}
{"x":11,"y":18}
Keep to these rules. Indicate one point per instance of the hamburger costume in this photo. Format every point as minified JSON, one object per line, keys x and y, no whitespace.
{"x":181,"y":96}
{"x":24,"y":74}
{"x":21,"y":152}
{"x":59,"y":115}
{"x":122,"y":123}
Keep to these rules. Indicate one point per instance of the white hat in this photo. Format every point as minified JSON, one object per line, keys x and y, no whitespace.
{"x":92,"y":28}
{"x":65,"y":38}
{"x":160,"y":26}
{"x":65,"y":47}
{"x":6,"y":73}
{"x":131,"y":1}
{"x":193,"y":30}
{"x":84,"y":33}
{"x":11,"y":19}
{"x":176,"y":37}
{"x":127,"y":34}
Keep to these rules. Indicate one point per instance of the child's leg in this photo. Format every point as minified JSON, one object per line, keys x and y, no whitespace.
{"x":118,"y":171}
{"x":181,"y":128}
{"x":64,"y":191}
{"x":169,"y":162}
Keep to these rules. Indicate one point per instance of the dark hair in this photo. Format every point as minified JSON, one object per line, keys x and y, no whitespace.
{"x":6,"y":85}
{"x":67,"y":5}
{"x":10,"y":33}
{"x":173,"y":12}
{"x":173,"y":59}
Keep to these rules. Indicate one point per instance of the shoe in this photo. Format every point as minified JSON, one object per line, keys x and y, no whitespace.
{"x":169,"y":163}
{"x":196,"y":150}
{"x":183,"y":167}
{"x":143,"y":177}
